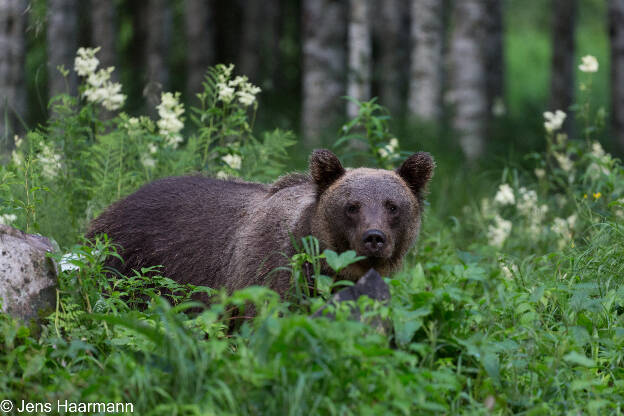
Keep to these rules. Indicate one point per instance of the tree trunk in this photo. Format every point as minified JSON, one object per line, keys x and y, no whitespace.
{"x":12,"y":57}
{"x":260,"y":41}
{"x":616,"y":35}
{"x":562,"y":74}
{"x":157,"y":32}
{"x":324,"y":38}
{"x":495,"y":56}
{"x":62,"y":41}
{"x":390,"y":55}
{"x":360,"y":54}
{"x":468,"y":89}
{"x":427,"y":35}
{"x":104,"y":31}
{"x":200,"y":38}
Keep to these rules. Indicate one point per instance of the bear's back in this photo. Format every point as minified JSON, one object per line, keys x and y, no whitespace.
{"x":184,"y":223}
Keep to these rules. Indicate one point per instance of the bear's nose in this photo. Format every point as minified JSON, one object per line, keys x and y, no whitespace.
{"x":374,"y":241}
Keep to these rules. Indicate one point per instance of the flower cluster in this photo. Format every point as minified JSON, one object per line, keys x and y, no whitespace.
{"x":239,"y":87}
{"x":390,"y":150}
{"x":171,"y":122}
{"x":499,"y":231}
{"x":100,"y":88}
{"x":554,"y":121}
{"x":505,"y":195}
{"x":50,"y":161}
{"x":589,"y":63}
{"x":564,"y":227}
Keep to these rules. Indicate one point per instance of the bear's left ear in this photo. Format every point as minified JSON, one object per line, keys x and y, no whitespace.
{"x":417,"y":171}
{"x":325,"y":169}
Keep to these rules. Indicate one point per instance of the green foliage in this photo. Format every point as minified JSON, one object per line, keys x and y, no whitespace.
{"x":514,"y":305}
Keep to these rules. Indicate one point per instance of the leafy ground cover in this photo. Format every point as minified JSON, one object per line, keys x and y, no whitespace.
{"x":512,"y":304}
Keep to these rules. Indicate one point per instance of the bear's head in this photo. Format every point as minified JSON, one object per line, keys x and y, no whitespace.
{"x":375,"y":212}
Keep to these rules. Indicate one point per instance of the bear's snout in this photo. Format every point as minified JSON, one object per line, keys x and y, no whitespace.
{"x":374,"y":242}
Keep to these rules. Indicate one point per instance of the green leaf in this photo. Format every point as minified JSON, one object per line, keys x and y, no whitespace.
{"x":339,"y":262}
{"x":574,"y":357}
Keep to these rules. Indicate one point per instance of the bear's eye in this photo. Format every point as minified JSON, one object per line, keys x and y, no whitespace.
{"x":392,"y":208}
{"x":353,"y":208}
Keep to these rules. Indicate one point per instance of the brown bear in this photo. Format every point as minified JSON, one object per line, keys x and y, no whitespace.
{"x":233,"y":234}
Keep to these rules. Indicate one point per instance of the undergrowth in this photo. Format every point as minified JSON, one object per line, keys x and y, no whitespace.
{"x":514,"y":305}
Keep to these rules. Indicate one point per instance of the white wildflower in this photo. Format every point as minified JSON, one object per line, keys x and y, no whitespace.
{"x":16,"y":157}
{"x":171,"y":121}
{"x":66,"y":264}
{"x":247,"y":93}
{"x":564,"y":161}
{"x":597,"y":150}
{"x":233,"y":161}
{"x":148,"y":161}
{"x":527,"y":201}
{"x":589,"y":63}
{"x":505,"y":195}
{"x":554,"y":121}
{"x":499,"y":231}
{"x":112,"y":98}
{"x":8,"y":219}
{"x":152,"y":148}
{"x":509,"y":270}
{"x":564,"y":227}
{"x":226,"y":93}
{"x":222,"y":175}
{"x":246,"y":98}
{"x":86,"y":62}
{"x":540,"y":173}
{"x":389,"y":150}
{"x":50,"y":162}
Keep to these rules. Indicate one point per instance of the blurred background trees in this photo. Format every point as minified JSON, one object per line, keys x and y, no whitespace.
{"x":478,"y":72}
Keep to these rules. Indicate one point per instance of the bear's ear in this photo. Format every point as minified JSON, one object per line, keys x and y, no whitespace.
{"x":417,"y":171}
{"x":325,"y":169}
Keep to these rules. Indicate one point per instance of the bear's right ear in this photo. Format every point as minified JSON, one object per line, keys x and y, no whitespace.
{"x":417,"y":171}
{"x":325,"y":169}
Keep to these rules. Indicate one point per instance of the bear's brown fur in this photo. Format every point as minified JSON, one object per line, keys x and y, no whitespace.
{"x":233,"y":234}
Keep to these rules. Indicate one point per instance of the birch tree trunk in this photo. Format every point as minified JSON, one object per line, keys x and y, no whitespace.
{"x":468,"y":79}
{"x":12,"y":56}
{"x":427,"y":35}
{"x":104,"y":31}
{"x":62,"y":44}
{"x":260,"y":41}
{"x":616,"y":35}
{"x":324,"y":62}
{"x":360,"y":54}
{"x":200,"y":38}
{"x":392,"y":58}
{"x":563,"y":46}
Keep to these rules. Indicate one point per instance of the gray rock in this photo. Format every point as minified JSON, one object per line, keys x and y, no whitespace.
{"x":371,"y":285}
{"x":28,"y":278}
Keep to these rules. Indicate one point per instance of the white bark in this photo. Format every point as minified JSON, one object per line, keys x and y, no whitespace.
{"x":62,"y":42}
{"x":200,"y":40}
{"x":360,"y":54}
{"x":12,"y":54}
{"x":324,"y":38}
{"x":468,"y":79}
{"x":616,"y":34}
{"x":427,"y":34}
